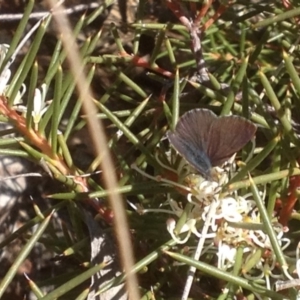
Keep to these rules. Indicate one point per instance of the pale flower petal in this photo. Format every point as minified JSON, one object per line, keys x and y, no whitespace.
{"x":4,"y":80}
{"x":39,"y":104}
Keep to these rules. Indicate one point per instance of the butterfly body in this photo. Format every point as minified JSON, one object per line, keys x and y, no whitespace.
{"x":206,"y":140}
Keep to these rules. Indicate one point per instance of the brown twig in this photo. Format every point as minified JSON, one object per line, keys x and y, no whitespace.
{"x":33,"y":136}
{"x":218,"y":13}
{"x":142,"y":62}
{"x":203,"y":12}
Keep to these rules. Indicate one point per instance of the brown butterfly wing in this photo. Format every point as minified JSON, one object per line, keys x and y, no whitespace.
{"x":228,"y":135}
{"x":191,"y":136}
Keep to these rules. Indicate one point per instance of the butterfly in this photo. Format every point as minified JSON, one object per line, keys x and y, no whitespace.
{"x":206,"y":140}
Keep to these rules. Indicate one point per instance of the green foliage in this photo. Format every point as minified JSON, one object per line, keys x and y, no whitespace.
{"x":141,"y":86}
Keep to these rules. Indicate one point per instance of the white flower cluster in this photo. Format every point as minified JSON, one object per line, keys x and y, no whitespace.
{"x":235,"y":220}
{"x":40,"y":105}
